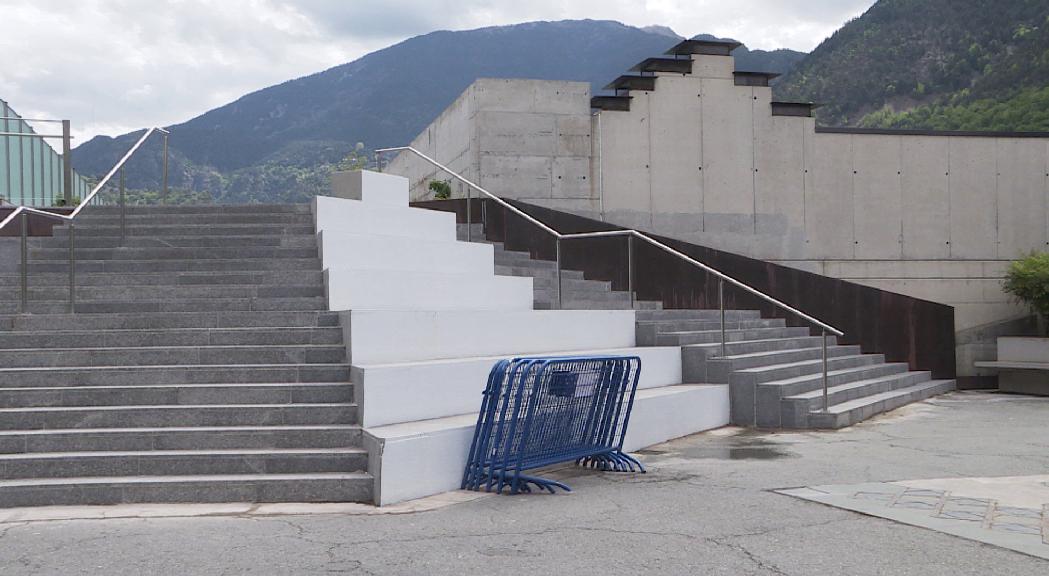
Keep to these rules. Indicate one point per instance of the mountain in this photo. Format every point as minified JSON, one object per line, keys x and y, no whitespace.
{"x":278,"y":143}
{"x":951,"y":64}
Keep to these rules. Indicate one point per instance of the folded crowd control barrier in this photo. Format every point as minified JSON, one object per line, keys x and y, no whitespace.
{"x":541,"y":411}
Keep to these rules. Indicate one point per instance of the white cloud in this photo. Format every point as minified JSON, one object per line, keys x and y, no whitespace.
{"x":113,"y":66}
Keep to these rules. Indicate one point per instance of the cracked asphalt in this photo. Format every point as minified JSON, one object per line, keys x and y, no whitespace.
{"x":706,"y":506}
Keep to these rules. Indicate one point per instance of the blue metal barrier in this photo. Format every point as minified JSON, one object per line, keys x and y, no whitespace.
{"x":541,"y":411}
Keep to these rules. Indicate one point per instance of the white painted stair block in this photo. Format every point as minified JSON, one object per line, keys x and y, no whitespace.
{"x":337,"y":214}
{"x":352,"y":251}
{"x":422,"y":458}
{"x":390,"y":336}
{"x":425,"y":318}
{"x":370,"y":187}
{"x":441,"y":388}
{"x":349,"y":289}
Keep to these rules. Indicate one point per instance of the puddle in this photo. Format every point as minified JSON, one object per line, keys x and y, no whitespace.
{"x":762,"y":452}
{"x":742,"y":446}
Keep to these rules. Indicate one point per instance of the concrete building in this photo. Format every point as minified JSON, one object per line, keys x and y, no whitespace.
{"x":691,"y":148}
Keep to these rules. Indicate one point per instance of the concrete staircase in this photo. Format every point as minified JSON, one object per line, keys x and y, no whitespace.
{"x":201,"y":365}
{"x":211,"y":355}
{"x":578,"y":293}
{"x":774,"y":371}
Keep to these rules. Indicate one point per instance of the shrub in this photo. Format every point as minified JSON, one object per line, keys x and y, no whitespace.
{"x":441,"y":190}
{"x":60,"y":202}
{"x":1027,"y":280}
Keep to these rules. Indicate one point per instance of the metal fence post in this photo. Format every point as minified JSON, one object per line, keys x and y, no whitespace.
{"x":164,"y":193}
{"x":67,"y":161}
{"x":721,"y":305}
{"x":469,"y":212}
{"x":25,"y":263}
{"x":630,"y":267}
{"x":72,"y":267}
{"x":123,"y":209}
{"x":484,"y":216}
{"x":825,"y":400}
{"x":7,"y":152}
{"x":32,"y":171}
{"x":558,"y":249}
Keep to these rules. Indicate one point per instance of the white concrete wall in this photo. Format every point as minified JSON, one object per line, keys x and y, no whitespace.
{"x":529,"y":136}
{"x":701,"y":159}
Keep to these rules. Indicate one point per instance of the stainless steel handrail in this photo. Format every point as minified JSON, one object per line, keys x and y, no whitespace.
{"x":631,"y":234}
{"x":22,"y":212}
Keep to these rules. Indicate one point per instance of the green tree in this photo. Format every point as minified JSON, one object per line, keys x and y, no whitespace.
{"x":1027,"y":280}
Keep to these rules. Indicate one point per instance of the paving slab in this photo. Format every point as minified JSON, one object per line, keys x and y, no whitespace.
{"x":1008,"y":511}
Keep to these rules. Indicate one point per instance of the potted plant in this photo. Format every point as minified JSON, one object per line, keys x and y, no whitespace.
{"x":441,"y":189}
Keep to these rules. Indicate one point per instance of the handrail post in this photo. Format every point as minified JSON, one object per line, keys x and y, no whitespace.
{"x":630,"y":267}
{"x":484,"y":217}
{"x":67,"y":163}
{"x":378,"y":161}
{"x":558,"y":250}
{"x":164,"y":194}
{"x":123,"y":209}
{"x":825,"y":400}
{"x":721,"y":306}
{"x":469,"y":212}
{"x":25,"y":263}
{"x":72,"y":267}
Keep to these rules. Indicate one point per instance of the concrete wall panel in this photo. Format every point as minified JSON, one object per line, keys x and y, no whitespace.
{"x":536,"y":96}
{"x":625,"y":153}
{"x":706,"y":66}
{"x":926,"y":207}
{"x":515,"y":133}
{"x":573,"y":136}
{"x":728,"y":156}
{"x":779,"y":183}
{"x":517,"y":176}
{"x":1021,"y":196}
{"x":828,"y":198}
{"x":571,"y":177}
{"x":876,"y":196}
{"x":676,"y":157}
{"x":972,"y":184}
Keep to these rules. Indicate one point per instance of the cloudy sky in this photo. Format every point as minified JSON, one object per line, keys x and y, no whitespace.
{"x":112,"y":66}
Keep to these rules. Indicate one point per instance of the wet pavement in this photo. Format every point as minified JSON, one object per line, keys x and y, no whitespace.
{"x":708,"y":505}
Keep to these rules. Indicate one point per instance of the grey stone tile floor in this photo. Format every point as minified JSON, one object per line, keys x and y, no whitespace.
{"x":1024,"y":530}
{"x":710,"y":504}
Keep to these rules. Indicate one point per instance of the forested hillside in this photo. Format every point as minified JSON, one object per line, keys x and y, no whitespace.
{"x":944,"y":64}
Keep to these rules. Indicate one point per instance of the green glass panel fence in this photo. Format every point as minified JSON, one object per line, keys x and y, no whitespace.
{"x":31,"y":171}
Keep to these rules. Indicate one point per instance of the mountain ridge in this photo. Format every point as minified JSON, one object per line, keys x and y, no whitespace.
{"x":274,"y":139}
